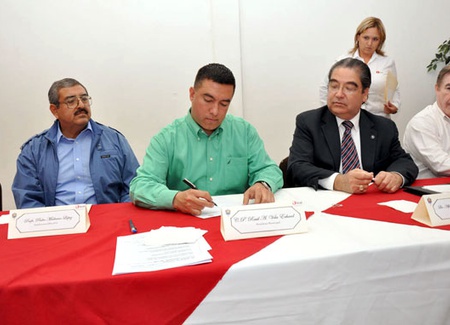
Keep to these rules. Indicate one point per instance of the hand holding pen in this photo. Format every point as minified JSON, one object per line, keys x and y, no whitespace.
{"x":192,"y":185}
{"x":192,"y":201}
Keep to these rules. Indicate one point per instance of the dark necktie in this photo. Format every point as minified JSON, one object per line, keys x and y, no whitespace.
{"x":349,"y":155}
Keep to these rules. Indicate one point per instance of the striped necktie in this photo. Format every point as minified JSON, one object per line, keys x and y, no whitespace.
{"x":349,"y":155}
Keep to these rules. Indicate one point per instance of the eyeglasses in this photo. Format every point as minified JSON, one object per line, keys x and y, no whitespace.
{"x":72,"y":101}
{"x":347,"y":89}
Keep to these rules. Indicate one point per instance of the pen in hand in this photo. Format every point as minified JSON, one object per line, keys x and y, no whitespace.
{"x":133,"y":229}
{"x":192,"y":185}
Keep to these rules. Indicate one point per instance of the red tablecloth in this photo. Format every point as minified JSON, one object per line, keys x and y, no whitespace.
{"x":365,"y":206}
{"x":67,"y":279}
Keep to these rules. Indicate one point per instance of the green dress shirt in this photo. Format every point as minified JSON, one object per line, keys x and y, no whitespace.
{"x":228,"y":161}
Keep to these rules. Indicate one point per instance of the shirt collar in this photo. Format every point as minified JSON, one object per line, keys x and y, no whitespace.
{"x":196,"y":129}
{"x":59,"y":134}
{"x":356,"y":55}
{"x":440,"y":112}
{"x":354,"y":120}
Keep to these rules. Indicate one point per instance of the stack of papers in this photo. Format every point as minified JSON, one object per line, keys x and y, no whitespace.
{"x":164,"y":248}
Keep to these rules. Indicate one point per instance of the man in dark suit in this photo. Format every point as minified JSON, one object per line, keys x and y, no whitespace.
{"x":315,"y":155}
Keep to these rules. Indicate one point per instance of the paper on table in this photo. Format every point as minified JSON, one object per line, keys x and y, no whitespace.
{"x":173,"y":235}
{"x":442,"y":188}
{"x":4,"y":219}
{"x":401,"y":205}
{"x":134,"y":255}
{"x":232,"y":200}
{"x":222,"y":201}
{"x":390,"y":87}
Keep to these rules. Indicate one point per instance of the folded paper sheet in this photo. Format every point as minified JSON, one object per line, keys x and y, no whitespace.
{"x":401,"y":205}
{"x":49,"y":221}
{"x":262,"y":220}
{"x":433,"y":210}
{"x":390,"y":87}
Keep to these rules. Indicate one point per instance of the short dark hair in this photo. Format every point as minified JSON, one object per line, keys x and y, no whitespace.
{"x":53,"y":92}
{"x":216,"y":72}
{"x":445,"y":70}
{"x":361,"y":67}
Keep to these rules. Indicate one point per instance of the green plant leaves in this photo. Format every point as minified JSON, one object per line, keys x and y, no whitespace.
{"x":442,"y":55}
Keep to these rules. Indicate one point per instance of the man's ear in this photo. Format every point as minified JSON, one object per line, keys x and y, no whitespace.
{"x":191,"y":93}
{"x":365,"y":95}
{"x":55,"y":110}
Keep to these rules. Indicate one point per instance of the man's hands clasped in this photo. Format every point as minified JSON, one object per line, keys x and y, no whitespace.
{"x":357,"y":181}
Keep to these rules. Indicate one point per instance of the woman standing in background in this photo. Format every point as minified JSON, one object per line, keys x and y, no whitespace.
{"x":384,"y":94}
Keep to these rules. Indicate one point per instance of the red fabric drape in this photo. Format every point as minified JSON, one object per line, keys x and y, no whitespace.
{"x":67,"y":279}
{"x":365,"y":206}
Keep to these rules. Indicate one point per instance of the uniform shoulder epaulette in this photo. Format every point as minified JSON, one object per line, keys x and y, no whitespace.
{"x":109,"y":127}
{"x":31,"y":138}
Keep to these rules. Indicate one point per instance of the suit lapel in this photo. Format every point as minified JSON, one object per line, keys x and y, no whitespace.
{"x":369,"y":139}
{"x":331,"y":133}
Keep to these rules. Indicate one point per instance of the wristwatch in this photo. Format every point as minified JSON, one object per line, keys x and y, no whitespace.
{"x":265,"y":185}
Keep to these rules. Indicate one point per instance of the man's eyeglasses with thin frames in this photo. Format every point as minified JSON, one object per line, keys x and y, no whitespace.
{"x":73,"y":101}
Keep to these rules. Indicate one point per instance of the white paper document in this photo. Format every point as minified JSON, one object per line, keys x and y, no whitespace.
{"x":222,"y":201}
{"x":441,"y":188}
{"x":144,"y":252}
{"x":173,"y":235}
{"x":4,"y":219}
{"x":300,"y":195}
{"x":401,"y":205}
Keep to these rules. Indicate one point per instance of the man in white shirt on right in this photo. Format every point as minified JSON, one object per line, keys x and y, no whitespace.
{"x":427,"y":135}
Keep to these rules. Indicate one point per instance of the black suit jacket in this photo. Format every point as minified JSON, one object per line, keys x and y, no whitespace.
{"x":316,"y":149}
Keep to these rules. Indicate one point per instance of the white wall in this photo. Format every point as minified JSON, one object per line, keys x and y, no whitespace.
{"x":138,"y":58}
{"x":288,"y":48}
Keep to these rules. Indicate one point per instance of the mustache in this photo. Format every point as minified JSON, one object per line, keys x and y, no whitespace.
{"x":80,"y":111}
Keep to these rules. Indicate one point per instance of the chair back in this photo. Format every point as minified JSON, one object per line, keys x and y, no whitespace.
{"x":283,"y":167}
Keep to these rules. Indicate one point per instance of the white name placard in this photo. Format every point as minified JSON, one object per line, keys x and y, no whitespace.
{"x":433,"y":210}
{"x":49,"y":221}
{"x":262,"y":220}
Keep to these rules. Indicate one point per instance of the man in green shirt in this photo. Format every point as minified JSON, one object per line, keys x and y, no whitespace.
{"x":219,"y":153}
